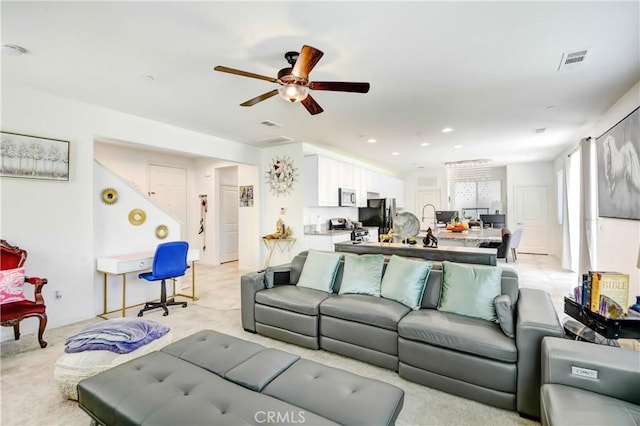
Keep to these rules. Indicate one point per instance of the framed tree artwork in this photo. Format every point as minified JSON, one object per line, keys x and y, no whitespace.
{"x":33,"y":157}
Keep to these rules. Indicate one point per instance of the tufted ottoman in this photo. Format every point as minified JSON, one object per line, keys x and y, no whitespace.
{"x":213,"y":378}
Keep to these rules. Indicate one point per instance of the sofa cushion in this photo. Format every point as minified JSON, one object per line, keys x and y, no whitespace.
{"x":564,"y":405}
{"x":293,"y":298}
{"x":460,"y":333}
{"x":404,"y":280}
{"x":319,"y":270}
{"x":339,"y":395}
{"x":362,"y":274}
{"x":470,"y":290}
{"x":379,"y":312}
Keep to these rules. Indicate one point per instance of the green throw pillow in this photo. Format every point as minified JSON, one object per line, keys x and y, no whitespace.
{"x":362,"y":274}
{"x":404,"y":280}
{"x":319,"y":270}
{"x":470,"y":290}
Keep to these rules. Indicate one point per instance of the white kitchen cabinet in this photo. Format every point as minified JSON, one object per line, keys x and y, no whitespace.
{"x":325,"y":242}
{"x":320,"y":181}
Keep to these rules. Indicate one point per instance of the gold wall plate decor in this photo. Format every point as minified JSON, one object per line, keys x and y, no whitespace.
{"x":109,"y":196}
{"x":137,"y":217}
{"x":162,"y":231}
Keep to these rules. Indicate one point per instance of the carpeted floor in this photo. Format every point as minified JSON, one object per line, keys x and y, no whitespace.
{"x":29,"y":396}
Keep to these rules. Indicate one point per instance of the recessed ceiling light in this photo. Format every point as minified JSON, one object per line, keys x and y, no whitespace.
{"x":447,"y":130}
{"x":458,"y":146}
{"x":13,"y":50}
{"x":372,"y":140}
{"x":395,"y":153}
{"x":424,"y":144}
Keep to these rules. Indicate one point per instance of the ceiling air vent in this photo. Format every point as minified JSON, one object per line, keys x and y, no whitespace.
{"x":269,"y":123}
{"x":274,"y":140}
{"x":539,"y":131}
{"x":571,"y":59}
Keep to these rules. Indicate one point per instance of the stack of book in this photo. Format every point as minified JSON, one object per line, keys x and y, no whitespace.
{"x":605,"y":293}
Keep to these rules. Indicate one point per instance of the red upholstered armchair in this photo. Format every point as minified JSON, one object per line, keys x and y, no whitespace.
{"x":14,"y":307}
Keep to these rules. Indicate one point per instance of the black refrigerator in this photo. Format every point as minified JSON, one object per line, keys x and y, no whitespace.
{"x":376,"y":214}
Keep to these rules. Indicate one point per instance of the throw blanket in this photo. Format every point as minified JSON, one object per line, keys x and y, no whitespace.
{"x":122,"y":335}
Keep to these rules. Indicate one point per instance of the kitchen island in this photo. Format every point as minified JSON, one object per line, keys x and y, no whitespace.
{"x":475,"y":255}
{"x":467,"y":238}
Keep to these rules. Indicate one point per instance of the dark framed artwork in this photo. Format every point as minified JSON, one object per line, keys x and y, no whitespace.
{"x":618,"y":156}
{"x":33,"y":157}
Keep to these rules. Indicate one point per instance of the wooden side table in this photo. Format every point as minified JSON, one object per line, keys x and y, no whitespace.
{"x":284,"y":244}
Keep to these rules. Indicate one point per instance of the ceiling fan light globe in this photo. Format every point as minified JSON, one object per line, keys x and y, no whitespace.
{"x":293,"y":92}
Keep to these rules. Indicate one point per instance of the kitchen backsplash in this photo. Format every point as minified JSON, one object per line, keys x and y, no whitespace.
{"x":325,"y":213}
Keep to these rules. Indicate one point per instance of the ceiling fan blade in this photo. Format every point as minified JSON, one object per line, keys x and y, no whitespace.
{"x":264,"y":96}
{"x":311,"y":105}
{"x":308,"y":58}
{"x":339,"y":86}
{"x":244,"y":73}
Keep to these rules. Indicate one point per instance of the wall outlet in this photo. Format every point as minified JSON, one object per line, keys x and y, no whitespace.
{"x":58,"y":294}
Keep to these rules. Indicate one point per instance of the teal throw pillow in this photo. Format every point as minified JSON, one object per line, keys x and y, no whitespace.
{"x":404,"y":280}
{"x":319,"y":270}
{"x":362,"y":274}
{"x":470,"y":290}
{"x":505,"y":315}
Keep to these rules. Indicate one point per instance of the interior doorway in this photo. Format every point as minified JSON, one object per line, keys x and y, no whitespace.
{"x":228,"y":213}
{"x":531,"y":216}
{"x":168,"y":189}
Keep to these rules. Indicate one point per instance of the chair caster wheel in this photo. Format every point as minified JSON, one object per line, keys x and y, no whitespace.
{"x":139,"y":314}
{"x":184,"y":305}
{"x":165,"y":314}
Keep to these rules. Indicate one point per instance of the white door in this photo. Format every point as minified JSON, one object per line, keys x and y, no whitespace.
{"x":531,"y":216}
{"x":168,"y":189}
{"x":228,"y":223}
{"x":424,"y":197}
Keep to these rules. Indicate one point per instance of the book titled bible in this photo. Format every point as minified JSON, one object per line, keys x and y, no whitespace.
{"x":609,"y":294}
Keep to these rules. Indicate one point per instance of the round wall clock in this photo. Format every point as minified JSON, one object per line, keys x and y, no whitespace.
{"x":281,"y":175}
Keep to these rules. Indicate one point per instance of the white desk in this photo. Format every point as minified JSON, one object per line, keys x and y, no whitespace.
{"x":136,"y":262}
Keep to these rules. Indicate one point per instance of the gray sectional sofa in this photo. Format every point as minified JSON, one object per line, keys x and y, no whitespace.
{"x":588,"y":384}
{"x":462,"y":355}
{"x":210,"y":378}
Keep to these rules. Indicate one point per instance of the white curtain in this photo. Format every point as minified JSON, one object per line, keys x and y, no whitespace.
{"x":572,"y":206}
{"x":566,"y":235}
{"x":589,"y":213}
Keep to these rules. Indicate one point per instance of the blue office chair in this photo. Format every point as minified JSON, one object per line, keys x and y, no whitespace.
{"x":169,"y":261}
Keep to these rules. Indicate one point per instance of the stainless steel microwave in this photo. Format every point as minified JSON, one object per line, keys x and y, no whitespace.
{"x":347,"y":197}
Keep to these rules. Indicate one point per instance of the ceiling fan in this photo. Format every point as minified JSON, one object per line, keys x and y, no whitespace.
{"x":294,"y":81}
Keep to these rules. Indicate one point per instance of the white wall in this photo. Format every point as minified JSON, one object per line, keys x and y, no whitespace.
{"x":54,"y":220}
{"x":412,"y":186}
{"x":292,"y":203}
{"x":618,"y":240}
{"x":132,"y":165}
{"x":114,"y":234}
{"x":534,"y":174}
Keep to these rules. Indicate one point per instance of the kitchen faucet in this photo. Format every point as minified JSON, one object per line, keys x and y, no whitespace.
{"x":434,"y":215}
